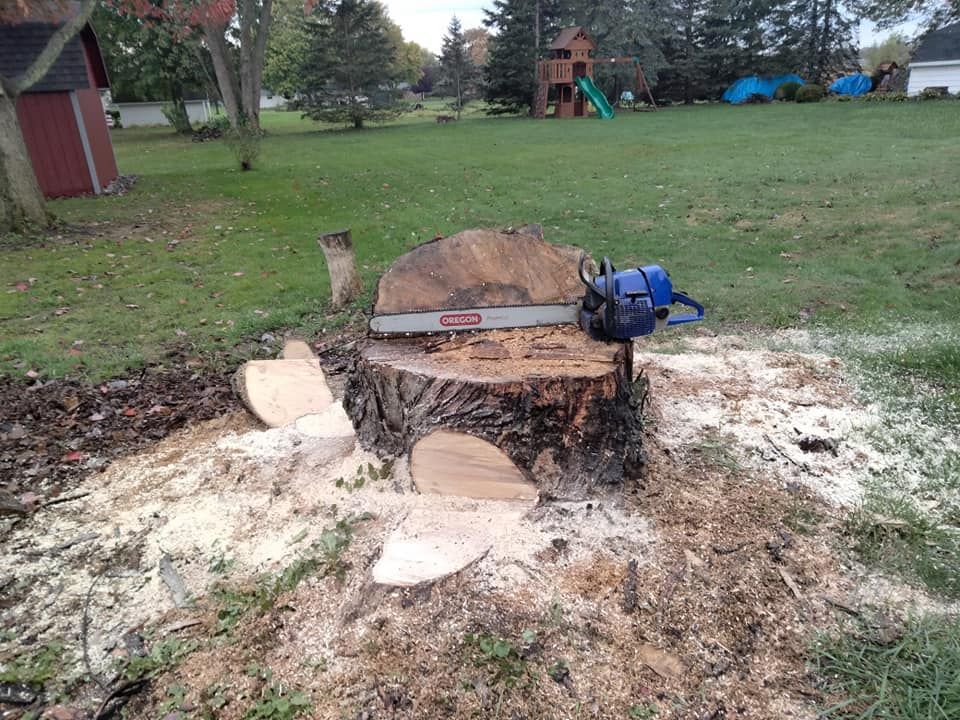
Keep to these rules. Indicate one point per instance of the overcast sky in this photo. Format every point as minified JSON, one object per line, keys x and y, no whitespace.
{"x":425,"y":21}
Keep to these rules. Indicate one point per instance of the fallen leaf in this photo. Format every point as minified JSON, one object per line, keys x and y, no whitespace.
{"x":131,"y":306}
{"x":238,"y":274}
{"x":22,"y":286}
{"x":182,"y":301}
{"x":130,"y":412}
{"x":180,"y":333}
{"x":74,"y":352}
{"x":75,"y":456}
{"x":70,"y":403}
{"x":159,"y":410}
{"x":96,"y":417}
{"x":664,"y":664}
{"x":61,"y":311}
{"x":32,"y":374}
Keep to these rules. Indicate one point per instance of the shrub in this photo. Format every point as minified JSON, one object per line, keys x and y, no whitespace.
{"x":886,"y":97}
{"x":934,"y":93}
{"x":787,"y":91}
{"x":176,"y":115}
{"x":245,"y":143}
{"x":219,"y":122}
{"x":810,"y":93}
{"x":115,"y":114}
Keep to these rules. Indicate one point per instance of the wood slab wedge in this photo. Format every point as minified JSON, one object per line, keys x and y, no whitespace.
{"x":295,"y":349}
{"x":431,"y":555}
{"x":454,"y":463}
{"x":281,"y":391}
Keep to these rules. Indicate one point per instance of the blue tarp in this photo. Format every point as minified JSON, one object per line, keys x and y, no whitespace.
{"x":753,"y":85}
{"x":855,"y":85}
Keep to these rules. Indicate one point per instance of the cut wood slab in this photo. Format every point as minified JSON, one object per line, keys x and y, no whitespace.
{"x":329,"y":423}
{"x":295,"y":349}
{"x":454,"y":463}
{"x":412,"y":556}
{"x":477,"y":268}
{"x":281,"y":391}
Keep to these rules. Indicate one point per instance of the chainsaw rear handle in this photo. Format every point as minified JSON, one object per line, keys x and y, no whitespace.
{"x":680,"y":298}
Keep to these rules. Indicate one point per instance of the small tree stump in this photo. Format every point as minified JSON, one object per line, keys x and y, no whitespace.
{"x":559,"y":405}
{"x":345,"y":283}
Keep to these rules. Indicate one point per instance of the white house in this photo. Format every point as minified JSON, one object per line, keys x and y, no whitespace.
{"x":936,"y":64}
{"x":141,"y":114}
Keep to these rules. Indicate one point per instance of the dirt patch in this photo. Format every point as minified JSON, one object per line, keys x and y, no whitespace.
{"x":54,"y":433}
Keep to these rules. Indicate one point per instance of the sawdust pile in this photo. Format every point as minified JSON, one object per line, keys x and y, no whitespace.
{"x":693,"y":594}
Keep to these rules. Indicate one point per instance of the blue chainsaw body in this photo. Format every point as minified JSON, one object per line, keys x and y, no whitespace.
{"x":625,"y":304}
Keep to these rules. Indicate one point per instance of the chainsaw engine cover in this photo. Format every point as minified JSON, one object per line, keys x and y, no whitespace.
{"x":641,"y":297}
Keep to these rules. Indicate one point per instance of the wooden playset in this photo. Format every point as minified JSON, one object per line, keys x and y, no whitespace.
{"x":569,"y":68}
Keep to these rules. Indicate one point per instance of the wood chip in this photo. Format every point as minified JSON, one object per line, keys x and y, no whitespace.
{"x":174,"y":583}
{"x":791,"y":583}
{"x":664,"y":664}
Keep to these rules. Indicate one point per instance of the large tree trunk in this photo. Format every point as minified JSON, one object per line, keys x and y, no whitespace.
{"x":225,"y":70}
{"x":21,"y":202}
{"x":559,"y":405}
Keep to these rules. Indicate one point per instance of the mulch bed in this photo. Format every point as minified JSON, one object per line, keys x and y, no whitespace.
{"x":54,"y":433}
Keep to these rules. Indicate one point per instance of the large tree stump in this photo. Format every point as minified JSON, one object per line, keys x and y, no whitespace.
{"x":558,"y":404}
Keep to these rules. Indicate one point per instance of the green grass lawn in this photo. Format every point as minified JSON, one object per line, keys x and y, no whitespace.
{"x":841,"y":217}
{"x":844,"y":214}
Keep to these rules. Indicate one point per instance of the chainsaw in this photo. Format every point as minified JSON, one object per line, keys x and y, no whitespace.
{"x":617,"y":305}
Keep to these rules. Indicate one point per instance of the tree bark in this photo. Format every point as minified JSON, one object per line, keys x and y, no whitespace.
{"x":559,"y":405}
{"x":258,"y":55}
{"x":21,"y":202}
{"x":345,"y":283}
{"x":225,"y":70}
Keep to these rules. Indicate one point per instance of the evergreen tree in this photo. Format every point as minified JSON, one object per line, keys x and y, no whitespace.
{"x":523,"y":28}
{"x":457,"y":70}
{"x":351,"y":68}
{"x":818,"y":38}
{"x":932,"y":13}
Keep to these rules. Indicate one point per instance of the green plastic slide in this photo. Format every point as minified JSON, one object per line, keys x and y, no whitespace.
{"x":595,"y":96}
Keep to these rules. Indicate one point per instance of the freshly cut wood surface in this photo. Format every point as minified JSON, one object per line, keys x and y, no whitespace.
{"x":478,"y":268}
{"x":454,"y":463}
{"x":281,"y":391}
{"x":414,"y":555}
{"x":296,"y":349}
{"x":501,"y":356}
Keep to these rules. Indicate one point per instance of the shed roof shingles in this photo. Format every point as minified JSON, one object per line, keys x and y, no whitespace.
{"x":21,"y":44}
{"x":940,"y":45}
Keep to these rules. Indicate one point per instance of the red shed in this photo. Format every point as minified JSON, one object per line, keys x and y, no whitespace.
{"x":61,"y":116}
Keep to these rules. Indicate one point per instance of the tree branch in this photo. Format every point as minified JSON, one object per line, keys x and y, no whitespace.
{"x":45,"y":60}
